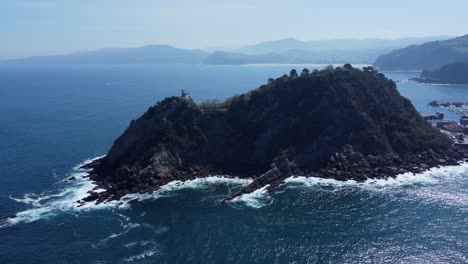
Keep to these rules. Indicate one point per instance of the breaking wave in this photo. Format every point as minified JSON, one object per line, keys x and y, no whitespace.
{"x":429,"y":177}
{"x":200,"y":183}
{"x":257,"y":199}
{"x":434,"y":176}
{"x":152,"y":251}
{"x":50,"y":204}
{"x":45,"y":206}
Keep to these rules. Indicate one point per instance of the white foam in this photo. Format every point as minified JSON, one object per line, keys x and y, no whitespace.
{"x":139,"y":243}
{"x":429,"y":177}
{"x":313,"y":181}
{"x":256,"y":199}
{"x":35,"y":200}
{"x":47,"y":205}
{"x":85,"y":162}
{"x":199,"y":183}
{"x":205,"y":182}
{"x":131,"y":244}
{"x":146,"y":253}
{"x":151,"y":251}
{"x":126,"y":228}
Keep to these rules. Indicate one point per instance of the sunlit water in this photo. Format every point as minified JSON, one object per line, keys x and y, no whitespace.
{"x":54,"y":118}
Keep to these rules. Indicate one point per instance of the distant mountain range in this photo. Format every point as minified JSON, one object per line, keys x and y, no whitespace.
{"x":286,"y":45}
{"x":429,"y":55}
{"x":154,"y":54}
{"x":316,"y":51}
{"x":279,"y":51}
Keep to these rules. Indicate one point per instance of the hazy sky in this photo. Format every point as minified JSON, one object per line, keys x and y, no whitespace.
{"x":37,"y":27}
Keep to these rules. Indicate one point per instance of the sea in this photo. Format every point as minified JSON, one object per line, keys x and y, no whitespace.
{"x":54,"y":118}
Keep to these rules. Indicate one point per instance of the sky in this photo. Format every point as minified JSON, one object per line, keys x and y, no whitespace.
{"x":41,"y":27}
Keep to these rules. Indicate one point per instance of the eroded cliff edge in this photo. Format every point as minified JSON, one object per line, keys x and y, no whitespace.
{"x":341,"y":123}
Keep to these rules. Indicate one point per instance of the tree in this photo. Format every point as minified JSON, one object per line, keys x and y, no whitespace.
{"x":305,"y":72}
{"x":348,"y":66}
{"x":270,"y":80}
{"x":293,"y":73}
{"x":210,"y":104}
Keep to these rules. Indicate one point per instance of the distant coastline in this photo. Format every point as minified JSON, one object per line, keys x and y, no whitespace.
{"x":283,"y":51}
{"x":358,"y":65}
{"x":451,"y":74}
{"x":413,"y":80}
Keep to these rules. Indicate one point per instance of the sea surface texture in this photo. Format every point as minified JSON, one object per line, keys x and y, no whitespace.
{"x":54,"y":118}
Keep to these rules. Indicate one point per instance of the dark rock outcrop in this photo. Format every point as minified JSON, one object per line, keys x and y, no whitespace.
{"x":341,"y":123}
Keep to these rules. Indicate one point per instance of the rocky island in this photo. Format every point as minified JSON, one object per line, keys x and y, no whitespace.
{"x":342,"y":123}
{"x":453,"y":73}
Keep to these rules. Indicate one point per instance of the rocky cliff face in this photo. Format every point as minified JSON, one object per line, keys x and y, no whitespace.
{"x":339,"y":123}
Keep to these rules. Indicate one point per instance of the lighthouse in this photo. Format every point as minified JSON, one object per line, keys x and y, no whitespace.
{"x":184,"y":94}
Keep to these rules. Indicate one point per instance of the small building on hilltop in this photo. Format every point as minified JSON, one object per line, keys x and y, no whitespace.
{"x":184,"y":94}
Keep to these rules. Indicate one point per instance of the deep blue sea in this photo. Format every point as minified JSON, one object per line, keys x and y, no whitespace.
{"x":53,"y":118}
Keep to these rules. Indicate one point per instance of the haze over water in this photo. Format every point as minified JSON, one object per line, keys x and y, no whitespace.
{"x":56,"y":117}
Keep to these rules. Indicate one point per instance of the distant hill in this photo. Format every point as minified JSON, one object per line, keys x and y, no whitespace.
{"x":454,"y":73}
{"x":229,"y":58}
{"x":154,"y":54}
{"x":316,"y":51}
{"x":429,"y":55}
{"x":235,"y":58}
{"x":292,"y":57}
{"x":285,"y":45}
{"x":288,"y":51}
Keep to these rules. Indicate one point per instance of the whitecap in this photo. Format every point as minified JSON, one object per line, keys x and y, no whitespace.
{"x":36,"y":200}
{"x":430,"y":177}
{"x":161,"y":230}
{"x":256,"y":199}
{"x":111,"y":236}
{"x":85,"y":162}
{"x":131,"y":244}
{"x":170,"y":188}
{"x":201,"y":183}
{"x":47,"y":205}
{"x":154,"y":250}
{"x":314,"y":181}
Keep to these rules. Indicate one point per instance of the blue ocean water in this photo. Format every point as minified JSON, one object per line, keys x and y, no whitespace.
{"x":53,"y":118}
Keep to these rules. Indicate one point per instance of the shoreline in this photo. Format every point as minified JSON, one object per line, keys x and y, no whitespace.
{"x":418,"y":80}
{"x":346,"y":166}
{"x":254,"y":199}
